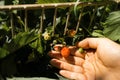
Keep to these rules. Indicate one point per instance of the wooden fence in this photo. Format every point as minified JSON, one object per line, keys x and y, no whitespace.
{"x":56,"y":6}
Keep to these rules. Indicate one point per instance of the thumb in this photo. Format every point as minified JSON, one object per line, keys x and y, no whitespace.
{"x":89,"y":43}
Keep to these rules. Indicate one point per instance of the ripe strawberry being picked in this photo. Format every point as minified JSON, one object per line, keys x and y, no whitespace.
{"x":65,"y":51}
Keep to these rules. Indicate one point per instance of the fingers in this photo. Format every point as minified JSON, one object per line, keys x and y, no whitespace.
{"x":73,"y":51}
{"x":78,"y":59}
{"x":72,"y":75}
{"x":55,"y":54}
{"x":74,"y":60}
{"x":66,"y":66}
{"x":71,"y":59}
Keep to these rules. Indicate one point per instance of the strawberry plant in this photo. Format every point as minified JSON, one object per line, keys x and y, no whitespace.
{"x":24,"y":53}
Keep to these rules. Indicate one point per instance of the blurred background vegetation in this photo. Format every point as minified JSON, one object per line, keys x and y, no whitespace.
{"x":25,"y":53}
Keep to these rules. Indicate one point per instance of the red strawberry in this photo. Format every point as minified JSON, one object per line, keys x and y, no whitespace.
{"x":71,"y":33}
{"x":65,"y":51}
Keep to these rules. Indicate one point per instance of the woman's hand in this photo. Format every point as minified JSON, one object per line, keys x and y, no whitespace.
{"x":100,"y":60}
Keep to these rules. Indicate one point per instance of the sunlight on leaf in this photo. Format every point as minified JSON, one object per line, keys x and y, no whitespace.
{"x":112,"y":29}
{"x":97,"y":33}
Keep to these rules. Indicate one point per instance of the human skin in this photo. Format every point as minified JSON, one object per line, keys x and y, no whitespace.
{"x":100,"y":60}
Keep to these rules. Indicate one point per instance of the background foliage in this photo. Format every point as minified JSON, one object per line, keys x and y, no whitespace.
{"x":25,"y":54}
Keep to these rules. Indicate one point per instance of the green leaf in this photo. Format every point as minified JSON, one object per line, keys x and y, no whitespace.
{"x":97,"y":33}
{"x":38,"y":45}
{"x":4,"y":29}
{"x":21,"y":39}
{"x":3,"y":53}
{"x":112,"y":29}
